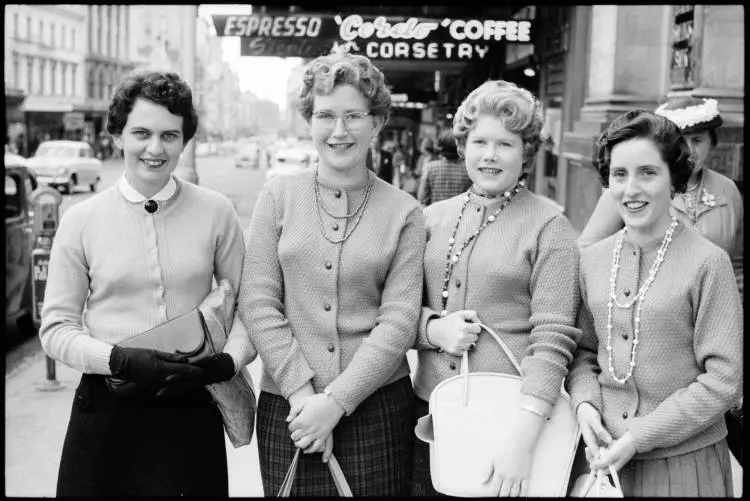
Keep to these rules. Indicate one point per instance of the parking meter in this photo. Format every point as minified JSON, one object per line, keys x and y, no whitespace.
{"x":46,"y":202}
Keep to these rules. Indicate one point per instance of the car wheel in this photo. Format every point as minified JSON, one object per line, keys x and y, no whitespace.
{"x":69,"y":186}
{"x":92,"y":186}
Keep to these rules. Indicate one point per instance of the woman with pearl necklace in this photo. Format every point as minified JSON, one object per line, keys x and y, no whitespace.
{"x":660,"y":357}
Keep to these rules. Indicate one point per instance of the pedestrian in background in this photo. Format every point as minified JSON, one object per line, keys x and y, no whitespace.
{"x":711,"y":204}
{"x":330,"y":295}
{"x":382,"y":161}
{"x":445,"y":177}
{"x":128,"y":259}
{"x":512,"y":264}
{"x":660,"y":358}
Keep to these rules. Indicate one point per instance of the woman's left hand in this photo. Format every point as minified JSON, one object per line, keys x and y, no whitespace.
{"x":617,"y":454}
{"x":511,"y":467}
{"x":314,"y":418}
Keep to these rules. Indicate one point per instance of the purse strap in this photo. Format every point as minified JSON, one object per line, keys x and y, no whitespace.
{"x":508,"y":353}
{"x":342,"y":486}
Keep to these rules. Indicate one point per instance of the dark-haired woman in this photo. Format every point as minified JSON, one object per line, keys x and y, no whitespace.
{"x":128,"y":259}
{"x":660,"y":358}
{"x":445,"y":177}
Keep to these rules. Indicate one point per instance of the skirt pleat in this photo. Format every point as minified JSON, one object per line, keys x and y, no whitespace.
{"x":374,"y":446}
{"x":706,"y":472}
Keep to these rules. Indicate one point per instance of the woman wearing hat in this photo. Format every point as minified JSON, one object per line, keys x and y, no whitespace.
{"x":711,"y":204}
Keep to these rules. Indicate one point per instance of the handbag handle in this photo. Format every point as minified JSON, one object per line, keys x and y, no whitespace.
{"x":615,"y":479}
{"x":342,"y":486}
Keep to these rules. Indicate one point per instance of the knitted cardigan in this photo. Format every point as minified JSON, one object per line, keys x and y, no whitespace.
{"x":688,"y":363}
{"x":341,"y":315}
{"x":116,"y":271}
{"x":521,"y":277}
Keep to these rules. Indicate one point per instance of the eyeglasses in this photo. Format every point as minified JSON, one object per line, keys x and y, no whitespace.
{"x":353,"y":121}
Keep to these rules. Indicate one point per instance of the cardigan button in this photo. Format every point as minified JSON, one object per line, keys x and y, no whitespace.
{"x":335,"y":226}
{"x":479,"y":209}
{"x":458,"y":283}
{"x":624,"y":335}
{"x":337,"y":194}
{"x":626,"y":292}
{"x":452,"y":366}
{"x":327,"y":307}
{"x":331,"y":348}
{"x":328,"y":265}
{"x":625,"y":415}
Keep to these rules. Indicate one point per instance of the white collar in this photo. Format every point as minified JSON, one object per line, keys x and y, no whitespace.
{"x":134,"y":195}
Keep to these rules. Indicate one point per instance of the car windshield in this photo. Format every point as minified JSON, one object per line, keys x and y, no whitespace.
{"x":57,"y":151}
{"x":291,"y":156}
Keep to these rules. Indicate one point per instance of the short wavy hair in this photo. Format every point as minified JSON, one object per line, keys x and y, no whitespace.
{"x":519,"y":110}
{"x":644,"y":124}
{"x":325,"y":73}
{"x":159,"y":87}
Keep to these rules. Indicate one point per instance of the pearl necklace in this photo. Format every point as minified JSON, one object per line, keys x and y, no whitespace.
{"x":452,"y":259}
{"x":638,"y":297}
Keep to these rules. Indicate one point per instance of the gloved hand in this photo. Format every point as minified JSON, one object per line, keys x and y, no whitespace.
{"x":214,"y":369}
{"x":149,"y":368}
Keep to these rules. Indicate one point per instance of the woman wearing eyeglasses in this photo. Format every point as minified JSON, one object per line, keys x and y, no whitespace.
{"x":331,"y":297}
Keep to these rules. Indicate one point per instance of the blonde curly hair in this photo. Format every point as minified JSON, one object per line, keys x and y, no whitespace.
{"x":519,"y":110}
{"x":325,"y":73}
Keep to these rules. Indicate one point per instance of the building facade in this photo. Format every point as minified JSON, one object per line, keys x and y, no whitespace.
{"x":45,"y":47}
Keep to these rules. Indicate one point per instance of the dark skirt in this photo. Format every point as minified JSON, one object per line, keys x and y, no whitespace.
{"x":374,"y":446}
{"x":140,"y":446}
{"x":421,"y":483}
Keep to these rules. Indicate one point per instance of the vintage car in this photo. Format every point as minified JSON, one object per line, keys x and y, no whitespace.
{"x":19,"y":239}
{"x":66,"y":164}
{"x":248,"y":155}
{"x":287,"y":162}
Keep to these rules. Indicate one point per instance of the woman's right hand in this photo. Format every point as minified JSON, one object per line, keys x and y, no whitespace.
{"x":593,"y":431}
{"x":455,"y":332}
{"x":150,"y":367}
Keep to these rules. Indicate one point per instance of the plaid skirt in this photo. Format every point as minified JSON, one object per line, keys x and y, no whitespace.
{"x":141,"y":446}
{"x":374,"y":446}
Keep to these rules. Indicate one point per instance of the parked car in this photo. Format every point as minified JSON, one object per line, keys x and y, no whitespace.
{"x":19,"y":240}
{"x":248,"y":156}
{"x":66,"y":164}
{"x":288,"y":161}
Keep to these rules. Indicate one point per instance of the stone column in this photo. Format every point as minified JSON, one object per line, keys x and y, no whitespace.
{"x":719,"y":73}
{"x":186,"y":166}
{"x":627,"y":69}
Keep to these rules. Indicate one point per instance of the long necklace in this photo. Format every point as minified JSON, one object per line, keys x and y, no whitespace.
{"x":360,"y":209}
{"x":638,"y":297}
{"x":452,"y":259}
{"x":690,"y":199}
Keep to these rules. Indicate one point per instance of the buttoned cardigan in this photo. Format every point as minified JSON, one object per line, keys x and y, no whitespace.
{"x":688,"y":363}
{"x":340,"y":315}
{"x":521,"y":277}
{"x":116,"y":271}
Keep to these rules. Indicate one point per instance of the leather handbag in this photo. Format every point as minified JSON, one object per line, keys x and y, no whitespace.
{"x":198,"y":334}
{"x":472,"y":415}
{"x":596,"y":484}
{"x":342,"y":486}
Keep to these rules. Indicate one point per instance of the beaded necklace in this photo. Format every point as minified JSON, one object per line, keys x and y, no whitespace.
{"x":452,"y":259}
{"x":638,"y":297}
{"x":358,"y":212}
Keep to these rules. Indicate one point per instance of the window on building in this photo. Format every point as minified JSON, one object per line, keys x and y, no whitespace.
{"x":41,"y":32}
{"x":92,"y":83}
{"x":102,"y":85}
{"x":42,"y":69}
{"x":73,"y":72}
{"x":64,"y":79}
{"x":16,"y":70}
{"x":15,"y":24}
{"x":53,"y":78}
{"x":73,"y":38}
{"x":28,"y":28}
{"x":29,"y":74}
{"x":64,"y":37}
{"x":108,"y":10}
{"x":91,"y":29}
{"x":52,"y":40}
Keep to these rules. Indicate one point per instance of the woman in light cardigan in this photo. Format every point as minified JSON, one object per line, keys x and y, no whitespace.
{"x":330,"y":295}
{"x":518,"y":274}
{"x":128,"y":259}
{"x":660,"y":358}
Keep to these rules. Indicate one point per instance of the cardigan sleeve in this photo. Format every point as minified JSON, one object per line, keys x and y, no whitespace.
{"x":582,"y":382}
{"x":738,"y":248}
{"x":61,"y":332}
{"x":717,"y":344}
{"x":228,"y":260}
{"x":555,"y":298}
{"x":383,"y":350}
{"x":261,"y":301}
{"x":604,"y":221}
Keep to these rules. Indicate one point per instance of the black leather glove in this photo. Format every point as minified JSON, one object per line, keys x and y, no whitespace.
{"x":150,"y":368}
{"x":214,"y":369}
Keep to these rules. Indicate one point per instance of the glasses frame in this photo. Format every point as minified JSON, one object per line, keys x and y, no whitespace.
{"x":343,"y":119}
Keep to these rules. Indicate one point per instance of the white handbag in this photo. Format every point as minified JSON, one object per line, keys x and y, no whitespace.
{"x":596,"y":484}
{"x":472,"y":415}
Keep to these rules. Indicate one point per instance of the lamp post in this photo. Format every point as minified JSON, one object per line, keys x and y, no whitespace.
{"x":186,"y":166}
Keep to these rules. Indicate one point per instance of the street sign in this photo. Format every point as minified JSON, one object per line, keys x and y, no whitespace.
{"x":377,"y":37}
{"x":73,"y":120}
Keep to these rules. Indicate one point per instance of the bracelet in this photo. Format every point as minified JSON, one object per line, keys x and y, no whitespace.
{"x":427,"y":337}
{"x":535,"y":411}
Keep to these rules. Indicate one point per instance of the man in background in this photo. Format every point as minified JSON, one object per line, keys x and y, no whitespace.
{"x":445,"y":177}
